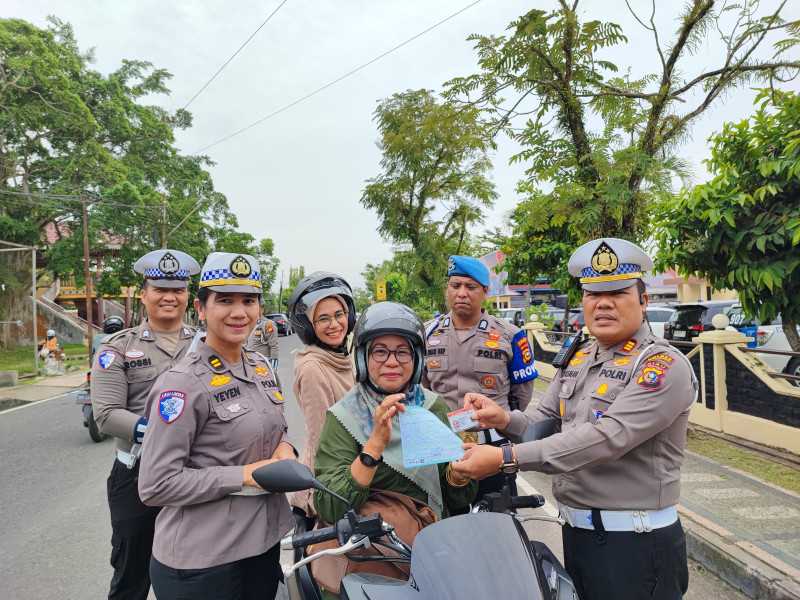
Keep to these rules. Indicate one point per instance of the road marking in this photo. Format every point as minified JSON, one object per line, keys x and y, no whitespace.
{"x":293,"y":351}
{"x":526,"y":487}
{"x":8,"y":410}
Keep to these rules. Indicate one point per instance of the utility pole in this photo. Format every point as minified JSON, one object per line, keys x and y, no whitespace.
{"x":280,"y":294}
{"x":87,"y":275}
{"x":164,"y":221}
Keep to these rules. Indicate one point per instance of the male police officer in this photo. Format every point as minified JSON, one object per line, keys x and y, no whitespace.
{"x":469,"y":350}
{"x":124,"y":370}
{"x":623,"y":403}
{"x":264,"y":340}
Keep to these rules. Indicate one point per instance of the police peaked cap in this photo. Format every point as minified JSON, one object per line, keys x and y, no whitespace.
{"x":231,"y":272}
{"x":167,"y":268}
{"x":609,"y":264}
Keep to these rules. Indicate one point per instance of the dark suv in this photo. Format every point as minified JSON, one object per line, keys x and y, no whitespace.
{"x":282,"y":321}
{"x":693,"y":318}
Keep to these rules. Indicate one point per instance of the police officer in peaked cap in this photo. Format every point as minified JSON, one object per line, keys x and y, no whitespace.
{"x":124,"y":369}
{"x":469,"y":350}
{"x":622,"y":401}
{"x":215,"y":417}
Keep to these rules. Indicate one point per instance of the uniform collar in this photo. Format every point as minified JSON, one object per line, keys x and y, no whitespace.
{"x":630,"y":346}
{"x":482,"y":324}
{"x":146,"y":333}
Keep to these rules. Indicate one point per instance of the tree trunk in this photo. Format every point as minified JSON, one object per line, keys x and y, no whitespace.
{"x":790,"y":329}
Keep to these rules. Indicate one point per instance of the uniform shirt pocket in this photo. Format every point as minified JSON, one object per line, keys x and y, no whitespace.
{"x":600,"y":400}
{"x":140,"y":374}
{"x":237,"y":430}
{"x":564,"y":399}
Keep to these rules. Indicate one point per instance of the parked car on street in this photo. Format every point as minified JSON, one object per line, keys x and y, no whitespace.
{"x":657,"y":317}
{"x":773,"y":337}
{"x":744,"y":323}
{"x":513,"y":315}
{"x":283,"y":323}
{"x":690,"y":319}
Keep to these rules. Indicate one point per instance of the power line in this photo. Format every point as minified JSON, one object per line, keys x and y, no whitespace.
{"x":96,"y":199}
{"x":315,"y":92}
{"x":234,"y":54}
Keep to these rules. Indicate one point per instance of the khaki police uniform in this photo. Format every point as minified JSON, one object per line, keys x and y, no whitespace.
{"x":127,"y":365}
{"x":624,"y":412}
{"x":124,"y":369}
{"x":264,"y":339}
{"x":206,"y":420}
{"x":481,"y":362}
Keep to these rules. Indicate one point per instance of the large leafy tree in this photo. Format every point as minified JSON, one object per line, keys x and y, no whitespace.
{"x":602,"y":144}
{"x":741,"y":230}
{"x":68,"y":132}
{"x":434,"y":183}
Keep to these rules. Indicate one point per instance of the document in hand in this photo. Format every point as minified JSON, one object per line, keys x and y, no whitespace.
{"x":425,"y":440}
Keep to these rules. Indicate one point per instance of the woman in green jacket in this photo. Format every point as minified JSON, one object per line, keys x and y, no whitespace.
{"x":359,"y":448}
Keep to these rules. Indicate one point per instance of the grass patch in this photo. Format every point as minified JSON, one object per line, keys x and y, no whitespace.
{"x":743,"y":459}
{"x":20,"y":358}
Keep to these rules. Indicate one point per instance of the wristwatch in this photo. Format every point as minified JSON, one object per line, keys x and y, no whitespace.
{"x":368,"y":460}
{"x":509,"y":464}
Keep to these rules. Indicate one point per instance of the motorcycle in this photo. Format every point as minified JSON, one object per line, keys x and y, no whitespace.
{"x":446,"y":563}
{"x":85,"y":399}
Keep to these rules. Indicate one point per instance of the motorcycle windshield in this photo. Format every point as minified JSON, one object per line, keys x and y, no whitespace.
{"x":483,"y":555}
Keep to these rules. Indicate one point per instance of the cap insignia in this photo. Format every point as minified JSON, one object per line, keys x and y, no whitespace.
{"x":604,"y":260}
{"x":168,"y":264}
{"x":240,"y":267}
{"x":451,"y":265}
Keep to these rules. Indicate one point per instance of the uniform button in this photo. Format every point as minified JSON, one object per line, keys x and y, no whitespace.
{"x":263,"y":410}
{"x":635,"y":514}
{"x":560,"y":483}
{"x":612,"y":396}
{"x":592,"y":370}
{"x":149,"y":375}
{"x":193,"y":354}
{"x":251,"y":384}
{"x":644,"y":513}
{"x":638,"y":529}
{"x":224,"y":414}
{"x":648,"y":528}
{"x":245,"y":406}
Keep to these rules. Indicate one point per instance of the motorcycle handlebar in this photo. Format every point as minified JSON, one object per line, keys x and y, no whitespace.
{"x":534,"y":501}
{"x":317,"y":536}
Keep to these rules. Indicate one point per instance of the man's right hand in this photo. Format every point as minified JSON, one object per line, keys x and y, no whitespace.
{"x":487,"y":412}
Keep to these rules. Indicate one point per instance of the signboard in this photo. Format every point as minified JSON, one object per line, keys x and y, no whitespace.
{"x":381,"y":285}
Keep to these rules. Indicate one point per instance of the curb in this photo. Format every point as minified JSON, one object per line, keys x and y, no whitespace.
{"x":737,"y":567}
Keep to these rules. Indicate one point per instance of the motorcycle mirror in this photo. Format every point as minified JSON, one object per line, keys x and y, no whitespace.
{"x":285,"y":476}
{"x":538,"y":430}
{"x":291,"y":476}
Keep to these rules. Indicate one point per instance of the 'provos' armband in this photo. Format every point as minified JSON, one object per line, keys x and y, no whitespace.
{"x":521,"y":367}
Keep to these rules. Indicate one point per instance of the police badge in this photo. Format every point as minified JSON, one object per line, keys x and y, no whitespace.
{"x":168,"y":264}
{"x":240,"y":267}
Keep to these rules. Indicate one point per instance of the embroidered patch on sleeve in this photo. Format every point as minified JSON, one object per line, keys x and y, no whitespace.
{"x":650,"y":379}
{"x":106,"y":358}
{"x":521,"y":367}
{"x":171,"y":404}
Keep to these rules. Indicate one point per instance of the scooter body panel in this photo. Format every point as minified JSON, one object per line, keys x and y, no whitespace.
{"x":483,"y":555}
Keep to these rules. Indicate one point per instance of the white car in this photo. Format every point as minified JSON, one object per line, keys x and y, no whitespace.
{"x":772,"y":337}
{"x":658,"y":316}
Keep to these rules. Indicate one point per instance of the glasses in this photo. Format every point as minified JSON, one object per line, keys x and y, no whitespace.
{"x":381,"y":355}
{"x":326,"y":320}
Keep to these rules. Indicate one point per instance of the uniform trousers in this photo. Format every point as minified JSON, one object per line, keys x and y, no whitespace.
{"x":625,"y":565}
{"x":132,"y":527}
{"x":252,"y":578}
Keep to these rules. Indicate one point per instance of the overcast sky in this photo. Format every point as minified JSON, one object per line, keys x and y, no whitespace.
{"x":297,"y":177}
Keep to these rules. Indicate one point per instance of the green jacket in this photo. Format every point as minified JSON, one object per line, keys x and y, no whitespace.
{"x":336,"y":452}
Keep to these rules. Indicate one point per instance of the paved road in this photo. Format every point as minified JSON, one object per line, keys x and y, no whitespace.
{"x":54,"y":523}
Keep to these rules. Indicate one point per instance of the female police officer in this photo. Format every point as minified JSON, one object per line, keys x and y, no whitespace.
{"x":215,"y":418}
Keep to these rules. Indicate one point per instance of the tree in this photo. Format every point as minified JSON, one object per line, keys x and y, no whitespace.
{"x":434,"y":183}
{"x":68,"y":132}
{"x":547,"y":83}
{"x":388,"y":273}
{"x":741,"y":230}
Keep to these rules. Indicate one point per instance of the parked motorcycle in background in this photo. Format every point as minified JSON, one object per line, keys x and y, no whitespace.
{"x":85,"y":400}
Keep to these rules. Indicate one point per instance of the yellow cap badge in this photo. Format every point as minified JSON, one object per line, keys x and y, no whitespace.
{"x":219,"y":380}
{"x":240,"y":267}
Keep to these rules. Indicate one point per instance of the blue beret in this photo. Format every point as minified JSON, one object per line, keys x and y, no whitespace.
{"x":467,"y":266}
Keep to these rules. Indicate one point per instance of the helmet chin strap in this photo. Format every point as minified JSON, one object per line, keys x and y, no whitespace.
{"x":340,"y":349}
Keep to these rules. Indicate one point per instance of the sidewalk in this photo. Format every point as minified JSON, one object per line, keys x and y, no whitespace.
{"x":743,"y":529}
{"x":41,"y":390}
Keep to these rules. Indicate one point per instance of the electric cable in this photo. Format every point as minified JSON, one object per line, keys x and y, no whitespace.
{"x":234,"y":54}
{"x":315,"y":92}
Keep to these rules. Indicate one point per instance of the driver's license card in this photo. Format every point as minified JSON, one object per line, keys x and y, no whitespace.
{"x":460,"y":420}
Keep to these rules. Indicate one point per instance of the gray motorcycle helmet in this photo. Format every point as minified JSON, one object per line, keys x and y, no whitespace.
{"x":385,"y":318}
{"x":113,"y":324}
{"x":310,"y":290}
